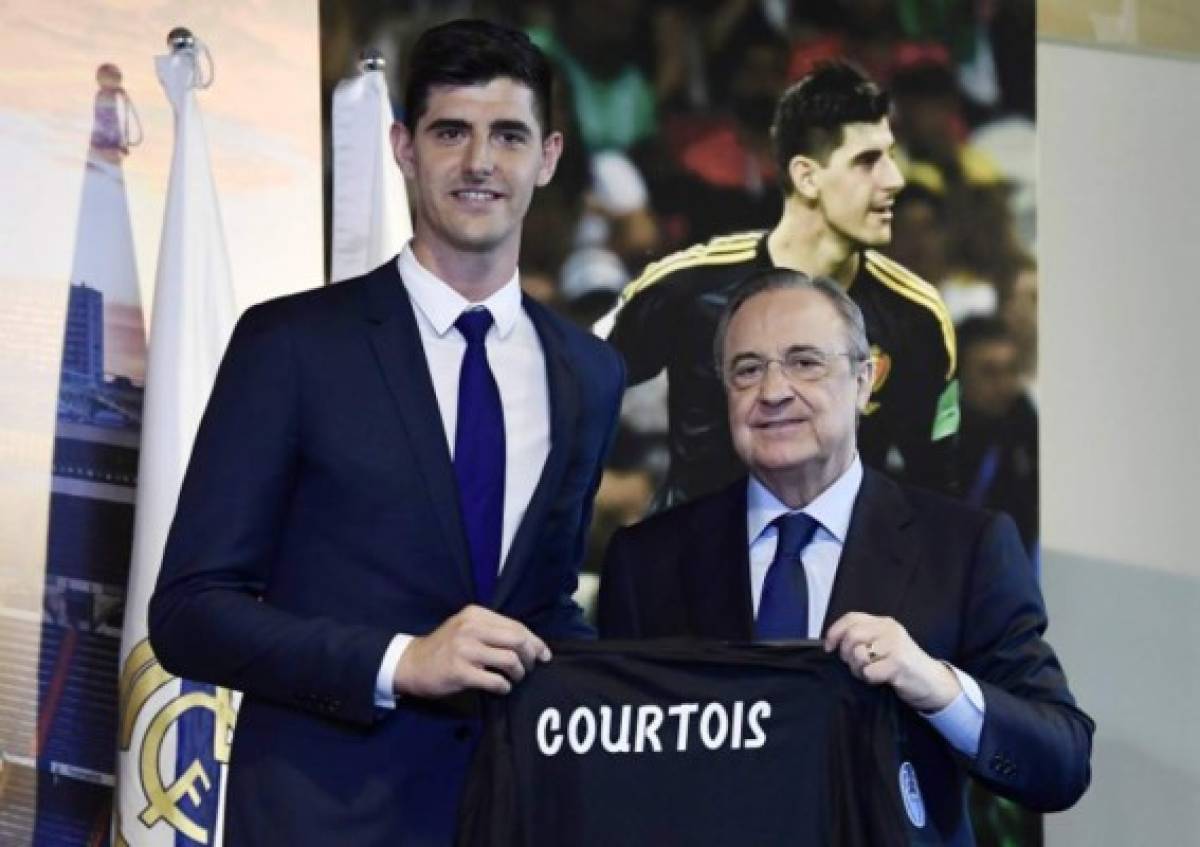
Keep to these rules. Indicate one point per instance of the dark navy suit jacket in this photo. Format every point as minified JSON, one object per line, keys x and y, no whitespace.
{"x":319,"y":517}
{"x":955,"y":577}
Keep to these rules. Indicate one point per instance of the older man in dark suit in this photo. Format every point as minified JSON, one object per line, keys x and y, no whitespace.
{"x":389,"y":494}
{"x":911,"y":589}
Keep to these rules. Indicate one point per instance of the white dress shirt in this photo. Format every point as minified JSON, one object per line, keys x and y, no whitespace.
{"x":961,"y":722}
{"x":515,"y":356}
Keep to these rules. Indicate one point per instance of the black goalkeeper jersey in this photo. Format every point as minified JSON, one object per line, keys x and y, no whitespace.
{"x":654,"y":744}
{"x":668,"y":317}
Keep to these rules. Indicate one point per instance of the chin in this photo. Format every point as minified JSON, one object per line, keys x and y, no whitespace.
{"x":777,"y":460}
{"x":876,"y":238}
{"x":477,"y":242}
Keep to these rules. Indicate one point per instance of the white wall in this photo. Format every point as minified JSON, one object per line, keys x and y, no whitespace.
{"x":1119,"y":242}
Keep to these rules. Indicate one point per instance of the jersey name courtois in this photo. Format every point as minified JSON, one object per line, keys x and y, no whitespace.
{"x":652,"y":729}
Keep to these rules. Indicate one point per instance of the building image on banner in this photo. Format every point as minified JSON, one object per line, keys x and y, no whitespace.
{"x":94,"y":476}
{"x":79,"y":282}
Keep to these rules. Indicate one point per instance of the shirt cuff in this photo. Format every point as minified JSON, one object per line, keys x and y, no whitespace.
{"x":961,"y":722}
{"x":385,"y":692}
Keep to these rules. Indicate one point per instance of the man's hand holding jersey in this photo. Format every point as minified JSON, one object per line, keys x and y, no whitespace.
{"x":475,"y":649}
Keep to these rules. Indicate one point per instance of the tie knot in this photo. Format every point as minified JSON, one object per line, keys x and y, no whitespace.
{"x":796,"y":529}
{"x":474,"y":324}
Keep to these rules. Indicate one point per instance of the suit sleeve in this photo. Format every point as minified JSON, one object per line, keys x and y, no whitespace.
{"x":208,"y":620}
{"x":1035,"y":747}
{"x":566,"y":620}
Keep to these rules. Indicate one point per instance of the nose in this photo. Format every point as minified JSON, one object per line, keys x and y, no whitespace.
{"x":775,"y":389}
{"x":891,"y":178}
{"x":479,"y":161}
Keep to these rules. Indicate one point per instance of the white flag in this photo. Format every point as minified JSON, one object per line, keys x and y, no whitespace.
{"x":370,"y":206}
{"x":173,"y":737}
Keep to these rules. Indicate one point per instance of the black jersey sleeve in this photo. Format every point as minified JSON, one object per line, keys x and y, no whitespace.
{"x":641,"y":330}
{"x":928,"y":435}
{"x":926,"y":425}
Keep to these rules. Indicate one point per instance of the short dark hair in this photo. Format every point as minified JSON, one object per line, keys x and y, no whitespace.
{"x":977,"y":330}
{"x":474,"y":52}
{"x":811,"y":116}
{"x":775,"y":279}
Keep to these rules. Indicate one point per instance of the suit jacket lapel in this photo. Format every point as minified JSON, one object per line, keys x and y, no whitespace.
{"x":715,"y":568}
{"x":564,"y":412}
{"x":879,"y":555}
{"x":397,"y":344}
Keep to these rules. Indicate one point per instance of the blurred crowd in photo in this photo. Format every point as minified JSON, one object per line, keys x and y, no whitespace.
{"x":666,"y":108}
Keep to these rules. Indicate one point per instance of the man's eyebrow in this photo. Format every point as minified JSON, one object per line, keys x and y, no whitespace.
{"x":447,"y":123}
{"x":511,"y":125}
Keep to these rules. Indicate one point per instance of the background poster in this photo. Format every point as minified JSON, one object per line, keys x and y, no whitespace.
{"x":85,"y":143}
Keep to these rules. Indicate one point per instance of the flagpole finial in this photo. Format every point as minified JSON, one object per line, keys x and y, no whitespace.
{"x":370,"y":59}
{"x":181,"y":38}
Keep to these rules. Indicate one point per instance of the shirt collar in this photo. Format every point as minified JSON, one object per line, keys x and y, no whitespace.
{"x":831,"y":508}
{"x":442,"y":305}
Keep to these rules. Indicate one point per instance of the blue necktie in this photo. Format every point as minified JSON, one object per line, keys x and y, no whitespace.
{"x":783,"y":607}
{"x":479,"y":454}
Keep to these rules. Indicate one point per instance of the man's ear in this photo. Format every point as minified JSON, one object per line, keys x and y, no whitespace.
{"x":865,"y":381}
{"x":803,"y":172}
{"x":552,"y":147}
{"x":402,"y":148}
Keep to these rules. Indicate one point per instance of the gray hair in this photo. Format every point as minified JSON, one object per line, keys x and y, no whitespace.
{"x":857,"y":348}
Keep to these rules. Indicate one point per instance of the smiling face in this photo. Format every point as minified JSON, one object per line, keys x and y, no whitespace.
{"x":473,"y":160}
{"x":856,"y":188}
{"x":795,"y":437}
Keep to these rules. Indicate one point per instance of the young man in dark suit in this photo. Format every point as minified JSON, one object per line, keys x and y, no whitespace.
{"x":389,"y":494}
{"x":912,"y":590}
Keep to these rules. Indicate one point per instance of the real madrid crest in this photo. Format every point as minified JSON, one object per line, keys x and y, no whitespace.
{"x":883,"y":369}
{"x":141,"y":678}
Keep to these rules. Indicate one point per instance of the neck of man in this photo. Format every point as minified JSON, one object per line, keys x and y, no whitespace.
{"x":797,"y":487}
{"x":803,"y":241}
{"x":476,"y":275}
